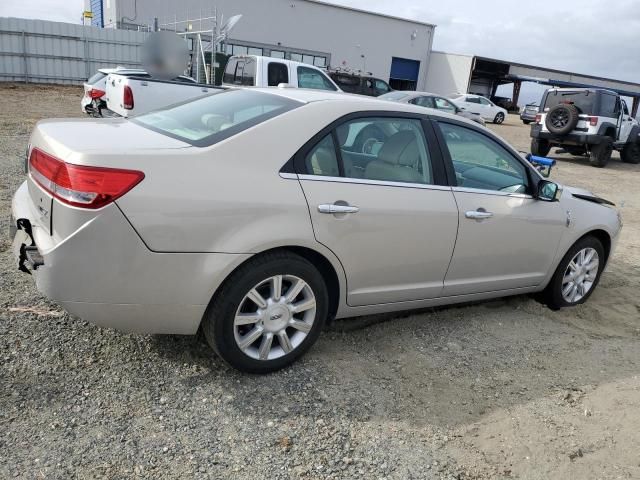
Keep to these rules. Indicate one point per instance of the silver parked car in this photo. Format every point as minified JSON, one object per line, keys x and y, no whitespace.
{"x":529,"y":113}
{"x":432,"y":100}
{"x":255,"y":215}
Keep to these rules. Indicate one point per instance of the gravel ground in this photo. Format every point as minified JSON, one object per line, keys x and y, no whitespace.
{"x":503,"y":389}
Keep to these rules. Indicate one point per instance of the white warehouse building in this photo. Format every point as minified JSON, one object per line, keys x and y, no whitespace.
{"x":394,"y":49}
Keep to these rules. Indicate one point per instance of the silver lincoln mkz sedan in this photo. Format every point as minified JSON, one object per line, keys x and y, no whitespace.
{"x":257,"y":215}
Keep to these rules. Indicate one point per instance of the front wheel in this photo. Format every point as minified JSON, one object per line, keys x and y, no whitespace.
{"x":577,"y":275}
{"x":499,"y":118}
{"x":268,"y":313}
{"x":526,"y":122}
{"x":631,"y":153}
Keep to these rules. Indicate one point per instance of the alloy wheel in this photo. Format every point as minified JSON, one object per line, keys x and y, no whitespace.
{"x":580,"y":275}
{"x":274,"y":317}
{"x":559,"y":118}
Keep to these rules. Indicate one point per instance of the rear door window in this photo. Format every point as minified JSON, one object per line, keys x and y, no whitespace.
{"x":473,"y":100}
{"x":277,"y":73}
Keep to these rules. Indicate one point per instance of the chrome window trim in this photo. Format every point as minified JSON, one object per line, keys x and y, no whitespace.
{"x":289,"y":176}
{"x":362,"y":181}
{"x":495,"y":193}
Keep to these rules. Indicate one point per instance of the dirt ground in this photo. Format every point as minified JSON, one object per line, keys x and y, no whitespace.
{"x":501,"y":389}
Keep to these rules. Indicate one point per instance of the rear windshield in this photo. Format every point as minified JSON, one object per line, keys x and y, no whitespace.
{"x":213,"y":118}
{"x":96,"y":78}
{"x":584,"y":101}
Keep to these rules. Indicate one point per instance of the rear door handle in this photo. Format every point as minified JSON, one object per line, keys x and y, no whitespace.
{"x":478,"y":215}
{"x":337,"y":209}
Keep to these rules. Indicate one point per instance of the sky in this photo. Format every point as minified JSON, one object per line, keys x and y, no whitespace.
{"x":595,"y":37}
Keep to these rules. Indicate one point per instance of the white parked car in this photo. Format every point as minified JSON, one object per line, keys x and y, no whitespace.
{"x":431,"y":100}
{"x":257,"y":71}
{"x":482,"y":106}
{"x":94,"y":100}
{"x":253,"y":215}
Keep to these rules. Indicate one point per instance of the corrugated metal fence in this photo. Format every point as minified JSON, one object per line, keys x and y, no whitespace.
{"x":51,"y":52}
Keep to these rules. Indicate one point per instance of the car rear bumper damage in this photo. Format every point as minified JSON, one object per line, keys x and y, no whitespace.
{"x":106,"y":275}
{"x":569,"y":139}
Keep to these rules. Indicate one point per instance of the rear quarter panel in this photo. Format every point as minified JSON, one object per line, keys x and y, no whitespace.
{"x":229,"y":197}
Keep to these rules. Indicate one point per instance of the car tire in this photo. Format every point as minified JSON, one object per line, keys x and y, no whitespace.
{"x":562,"y":118}
{"x":560,"y":291}
{"x":234,"y":318}
{"x":526,"y":122}
{"x":601,"y":154}
{"x":540,"y":147}
{"x":499,"y":118}
{"x":631,"y":153}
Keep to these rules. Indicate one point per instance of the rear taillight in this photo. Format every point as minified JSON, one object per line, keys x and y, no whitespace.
{"x":79,"y":185}
{"x":593,"y":121}
{"x":127,"y":98}
{"x":538,"y":118}
{"x":95,"y":93}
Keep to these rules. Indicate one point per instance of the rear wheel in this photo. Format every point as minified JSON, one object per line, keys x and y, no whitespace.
{"x":499,"y":118}
{"x":268,"y":313}
{"x":601,"y":154}
{"x":526,"y":122}
{"x":540,"y":147}
{"x":631,"y":153}
{"x":577,"y":275}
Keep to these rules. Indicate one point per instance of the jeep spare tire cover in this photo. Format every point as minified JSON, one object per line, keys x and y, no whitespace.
{"x":562,"y":118}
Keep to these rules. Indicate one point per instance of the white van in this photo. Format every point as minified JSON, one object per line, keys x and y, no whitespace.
{"x":256,"y":71}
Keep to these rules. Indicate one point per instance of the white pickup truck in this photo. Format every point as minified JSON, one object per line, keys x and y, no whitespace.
{"x":257,"y":71}
{"x":129,"y":95}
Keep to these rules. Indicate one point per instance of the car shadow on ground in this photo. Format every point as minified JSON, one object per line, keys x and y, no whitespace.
{"x":444,"y":366}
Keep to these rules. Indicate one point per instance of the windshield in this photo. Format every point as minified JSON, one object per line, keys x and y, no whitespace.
{"x":394,"y":96}
{"x":213,"y":118}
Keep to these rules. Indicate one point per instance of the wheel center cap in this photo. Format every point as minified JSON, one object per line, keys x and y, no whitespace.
{"x":276,"y":318}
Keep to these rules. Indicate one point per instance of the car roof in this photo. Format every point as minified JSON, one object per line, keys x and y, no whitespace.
{"x":568,"y":89}
{"x":416,"y":93}
{"x":308,"y":96}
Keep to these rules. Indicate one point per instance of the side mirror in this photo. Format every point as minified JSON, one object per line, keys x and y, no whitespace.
{"x":548,"y":191}
{"x":462,"y":109}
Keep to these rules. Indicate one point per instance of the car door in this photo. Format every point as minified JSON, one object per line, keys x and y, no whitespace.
{"x":507,"y":239}
{"x":489,"y":110}
{"x":626,"y":123}
{"x":473,"y":105}
{"x":387,"y":215}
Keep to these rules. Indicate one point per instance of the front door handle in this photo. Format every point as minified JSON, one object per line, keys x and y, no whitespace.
{"x":337,"y":209}
{"x":479,"y":214}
